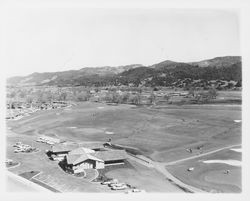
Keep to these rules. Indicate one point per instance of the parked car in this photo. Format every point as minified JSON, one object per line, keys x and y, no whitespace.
{"x":116,"y":184}
{"x":135,"y":190}
{"x":17,"y":150}
{"x":119,"y":187}
{"x":113,"y":181}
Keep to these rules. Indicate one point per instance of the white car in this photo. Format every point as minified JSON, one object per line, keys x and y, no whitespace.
{"x":135,"y":190}
{"x":18,"y":150}
{"x":119,"y":187}
{"x":190,"y":169}
{"x":114,"y":181}
{"x":117,"y":184}
{"x":8,"y":161}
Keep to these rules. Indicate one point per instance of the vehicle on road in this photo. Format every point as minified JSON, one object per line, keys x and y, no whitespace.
{"x":190,"y":169}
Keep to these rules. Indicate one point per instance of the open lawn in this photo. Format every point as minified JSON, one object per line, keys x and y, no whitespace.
{"x":158,"y":133}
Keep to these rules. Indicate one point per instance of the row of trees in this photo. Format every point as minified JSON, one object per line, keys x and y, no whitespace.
{"x":112,"y":96}
{"x":48,"y":96}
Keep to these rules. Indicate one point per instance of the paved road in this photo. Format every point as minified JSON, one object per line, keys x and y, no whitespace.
{"x":200,"y":155}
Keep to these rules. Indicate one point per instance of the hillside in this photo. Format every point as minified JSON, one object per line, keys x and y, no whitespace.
{"x":68,"y":77}
{"x":166,"y":73}
{"x":218,"y":62}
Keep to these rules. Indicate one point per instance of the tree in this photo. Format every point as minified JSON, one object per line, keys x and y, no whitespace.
{"x":212,"y":93}
{"x":124,"y":98}
{"x":191,"y":91}
{"x":83,"y":96}
{"x":152,"y":98}
{"x":22,"y":94}
{"x":134,"y":99}
{"x":47,"y":96}
{"x":63,"y":96}
{"x":29,"y":99}
{"x":12,"y":94}
{"x":166,"y":97}
{"x":238,"y":84}
{"x":39,"y":96}
{"x":114,"y":97}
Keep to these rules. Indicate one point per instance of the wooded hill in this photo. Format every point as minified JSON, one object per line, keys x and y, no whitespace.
{"x":218,"y":72}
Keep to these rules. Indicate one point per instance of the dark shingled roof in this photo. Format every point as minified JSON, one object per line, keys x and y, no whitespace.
{"x":111,"y":155}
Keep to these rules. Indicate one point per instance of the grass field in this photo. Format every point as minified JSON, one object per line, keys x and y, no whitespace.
{"x":160,"y":133}
{"x":211,"y":176}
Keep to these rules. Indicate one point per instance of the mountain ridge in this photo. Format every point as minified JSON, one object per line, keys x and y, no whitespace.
{"x":162,"y":73}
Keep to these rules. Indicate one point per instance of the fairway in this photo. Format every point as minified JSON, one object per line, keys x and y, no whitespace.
{"x":212,"y":176}
{"x":161,"y":134}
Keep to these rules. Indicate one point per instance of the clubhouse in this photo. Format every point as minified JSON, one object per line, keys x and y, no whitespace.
{"x":77,"y":159}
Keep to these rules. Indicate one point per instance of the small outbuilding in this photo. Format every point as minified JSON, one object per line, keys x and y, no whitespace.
{"x":59,"y":151}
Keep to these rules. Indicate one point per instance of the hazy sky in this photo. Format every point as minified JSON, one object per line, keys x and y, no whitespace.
{"x":57,"y":39}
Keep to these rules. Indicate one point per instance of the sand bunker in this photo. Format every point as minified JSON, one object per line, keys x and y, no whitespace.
{"x":72,"y":127}
{"x":229,"y":162}
{"x":57,"y":113}
{"x":237,"y":150}
{"x":109,"y":133}
{"x":237,"y":121}
{"x":100,"y":107}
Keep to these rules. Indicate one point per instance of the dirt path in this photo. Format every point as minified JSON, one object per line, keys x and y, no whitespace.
{"x":200,"y":155}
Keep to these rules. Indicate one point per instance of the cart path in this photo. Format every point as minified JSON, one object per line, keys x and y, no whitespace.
{"x":200,"y":155}
{"x":161,"y":167}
